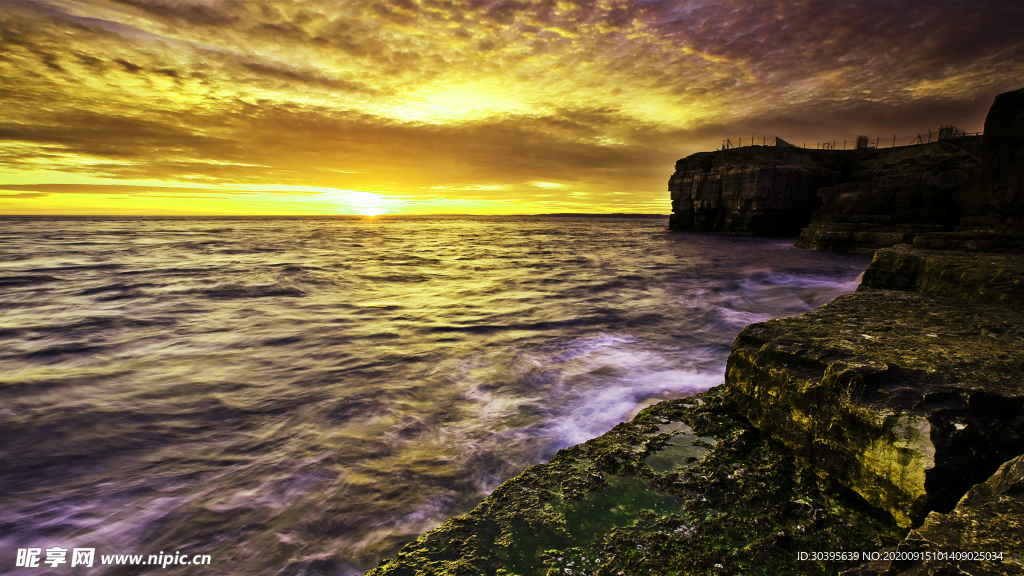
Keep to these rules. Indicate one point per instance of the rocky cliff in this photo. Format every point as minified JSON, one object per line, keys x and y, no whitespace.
{"x":837,"y":430}
{"x":891,"y":198}
{"x":860,"y":199}
{"x":864,"y":198}
{"x":880,"y":434}
{"x":754,"y":190}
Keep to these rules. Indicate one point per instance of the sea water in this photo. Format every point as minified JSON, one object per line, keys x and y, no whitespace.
{"x":305,"y":395}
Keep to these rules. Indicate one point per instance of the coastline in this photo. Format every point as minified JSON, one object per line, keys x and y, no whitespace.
{"x":715,"y":485}
{"x":872,"y":435}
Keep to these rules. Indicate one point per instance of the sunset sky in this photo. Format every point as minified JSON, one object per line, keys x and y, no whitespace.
{"x":453,"y":106}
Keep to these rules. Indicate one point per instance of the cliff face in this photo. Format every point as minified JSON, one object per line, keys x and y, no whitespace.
{"x":860,"y":200}
{"x":890,"y":199}
{"x":997,"y":199}
{"x":853,"y":199}
{"x":756,"y":190}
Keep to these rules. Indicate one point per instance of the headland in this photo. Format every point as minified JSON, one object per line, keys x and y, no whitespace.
{"x":882,"y":433}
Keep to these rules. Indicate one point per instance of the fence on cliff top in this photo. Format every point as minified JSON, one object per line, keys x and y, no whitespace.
{"x":946,"y":132}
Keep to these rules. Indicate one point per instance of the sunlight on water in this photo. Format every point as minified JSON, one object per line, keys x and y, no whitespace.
{"x":303,"y":396}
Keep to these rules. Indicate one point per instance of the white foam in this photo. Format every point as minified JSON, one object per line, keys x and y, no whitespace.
{"x":597,"y":410}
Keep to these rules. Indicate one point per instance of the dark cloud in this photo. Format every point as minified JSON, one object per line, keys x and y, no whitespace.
{"x":277,"y":71}
{"x":128,"y":65}
{"x":192,"y":13}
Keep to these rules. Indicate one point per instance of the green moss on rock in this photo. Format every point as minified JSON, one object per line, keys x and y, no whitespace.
{"x":997,"y":278}
{"x":890,"y":393}
{"x":735,"y":502}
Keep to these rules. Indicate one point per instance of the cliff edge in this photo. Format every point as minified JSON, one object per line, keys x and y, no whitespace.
{"x":860,"y":200}
{"x":879,"y":434}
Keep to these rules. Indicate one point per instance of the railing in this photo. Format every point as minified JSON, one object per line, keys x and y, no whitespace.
{"x":863,"y":142}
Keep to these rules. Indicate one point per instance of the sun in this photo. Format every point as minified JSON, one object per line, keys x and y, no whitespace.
{"x":355,"y":202}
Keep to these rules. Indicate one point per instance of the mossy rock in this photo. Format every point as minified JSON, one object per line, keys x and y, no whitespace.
{"x":993,"y":277}
{"x":685,"y":488}
{"x":908,"y":399}
{"x":984,"y":533}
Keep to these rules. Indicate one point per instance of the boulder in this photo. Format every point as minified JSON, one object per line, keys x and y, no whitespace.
{"x":996,"y":278}
{"x":905,"y":398}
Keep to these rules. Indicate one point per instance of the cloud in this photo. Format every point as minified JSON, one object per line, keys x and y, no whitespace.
{"x":25,"y":195}
{"x":476,"y":98}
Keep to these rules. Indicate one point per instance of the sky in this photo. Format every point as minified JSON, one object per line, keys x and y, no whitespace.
{"x":218,"y":107}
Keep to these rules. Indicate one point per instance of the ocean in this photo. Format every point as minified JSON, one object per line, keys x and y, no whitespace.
{"x":305,"y":395}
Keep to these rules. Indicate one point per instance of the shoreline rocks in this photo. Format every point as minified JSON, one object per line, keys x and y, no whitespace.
{"x":837,"y":430}
{"x":995,"y":278}
{"x":891,"y":393}
{"x":686,"y":487}
{"x":890,"y":420}
{"x":984,"y":534}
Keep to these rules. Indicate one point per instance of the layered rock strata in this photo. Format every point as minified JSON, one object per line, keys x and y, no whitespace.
{"x":909,"y":192}
{"x":867,"y":198}
{"x":891,"y":198}
{"x":860,"y":200}
{"x":994,"y":278}
{"x":755,"y":190}
{"x":907,"y":399}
